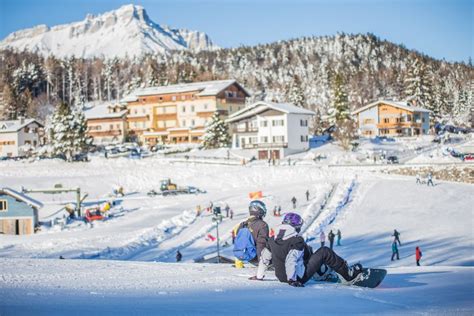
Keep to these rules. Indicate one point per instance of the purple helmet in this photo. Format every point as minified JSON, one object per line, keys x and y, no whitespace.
{"x":293,"y":220}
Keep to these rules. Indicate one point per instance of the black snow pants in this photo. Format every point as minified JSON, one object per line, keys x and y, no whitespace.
{"x":326,"y":256}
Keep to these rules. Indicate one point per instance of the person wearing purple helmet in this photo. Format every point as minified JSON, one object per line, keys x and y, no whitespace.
{"x":294,"y":260}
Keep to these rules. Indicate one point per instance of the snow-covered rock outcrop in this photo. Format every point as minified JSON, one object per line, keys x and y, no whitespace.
{"x":127,"y":31}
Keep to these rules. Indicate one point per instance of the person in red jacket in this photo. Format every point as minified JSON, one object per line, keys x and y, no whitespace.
{"x":418,"y":255}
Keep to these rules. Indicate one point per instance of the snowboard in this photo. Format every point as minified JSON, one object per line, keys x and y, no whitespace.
{"x":369,"y":277}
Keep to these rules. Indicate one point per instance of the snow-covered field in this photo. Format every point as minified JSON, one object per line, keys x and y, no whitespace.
{"x":144,"y":233}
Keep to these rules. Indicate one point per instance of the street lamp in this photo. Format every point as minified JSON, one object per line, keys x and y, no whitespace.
{"x":217,"y":219}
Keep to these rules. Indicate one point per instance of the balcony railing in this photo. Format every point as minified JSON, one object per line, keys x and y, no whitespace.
{"x":265,"y":145}
{"x":245,"y":129}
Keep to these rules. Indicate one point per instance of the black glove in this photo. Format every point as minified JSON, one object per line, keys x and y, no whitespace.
{"x":295,"y":283}
{"x":254,"y":278}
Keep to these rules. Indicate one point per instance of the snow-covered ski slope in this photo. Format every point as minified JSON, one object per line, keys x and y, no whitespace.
{"x":438,"y":219}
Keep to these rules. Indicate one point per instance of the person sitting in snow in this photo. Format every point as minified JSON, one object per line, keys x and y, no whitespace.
{"x":257,"y":226}
{"x":294,"y":260}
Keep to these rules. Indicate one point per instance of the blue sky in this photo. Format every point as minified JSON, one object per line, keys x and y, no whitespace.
{"x":441,"y":29}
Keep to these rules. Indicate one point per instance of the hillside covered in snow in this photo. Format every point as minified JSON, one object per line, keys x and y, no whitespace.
{"x":126,"y":263}
{"x":127,"y":31}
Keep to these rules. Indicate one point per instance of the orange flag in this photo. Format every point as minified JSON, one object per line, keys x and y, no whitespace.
{"x":255,"y":195}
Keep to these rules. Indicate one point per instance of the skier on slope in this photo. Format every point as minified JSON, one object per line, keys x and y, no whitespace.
{"x":430,"y":179}
{"x":294,"y":261}
{"x":257,"y":226}
{"x":395,"y":250}
{"x":338,"y":237}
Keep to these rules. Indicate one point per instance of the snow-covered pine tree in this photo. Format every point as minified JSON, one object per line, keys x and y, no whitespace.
{"x":419,"y":86}
{"x":10,"y":101}
{"x":295,"y":94}
{"x":68,"y":131}
{"x":216,"y":134}
{"x":340,"y":100}
{"x":317,"y":123}
{"x":461,"y":109}
{"x":345,"y":127}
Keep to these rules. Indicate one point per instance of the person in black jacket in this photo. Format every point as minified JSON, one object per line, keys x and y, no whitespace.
{"x":397,"y":236}
{"x":331,"y":237}
{"x":179,"y":256}
{"x":257,"y":226}
{"x":294,"y":261}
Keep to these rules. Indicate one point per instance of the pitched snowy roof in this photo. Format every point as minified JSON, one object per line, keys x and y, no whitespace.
{"x":15,"y":125}
{"x":102,"y":111}
{"x":206,"y":88}
{"x":22,"y":197}
{"x":398,"y":104}
{"x":261,"y":106}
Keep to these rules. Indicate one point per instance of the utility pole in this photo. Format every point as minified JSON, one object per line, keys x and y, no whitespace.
{"x":217,"y":218}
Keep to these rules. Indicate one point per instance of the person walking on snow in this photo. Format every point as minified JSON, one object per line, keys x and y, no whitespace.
{"x":307,"y":195}
{"x":293,"y":200}
{"x":338,"y":237}
{"x":294,"y":260}
{"x":322,"y":238}
{"x":331,"y":239}
{"x":179,"y":256}
{"x":395,"y":250}
{"x":430,"y":179}
{"x":397,"y":236}
{"x":418,"y":255}
{"x":227,"y":209}
{"x":418,"y":178}
{"x":231,"y":213}
{"x":279,"y":210}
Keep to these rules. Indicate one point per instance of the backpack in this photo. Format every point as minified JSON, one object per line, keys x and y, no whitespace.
{"x":244,"y":244}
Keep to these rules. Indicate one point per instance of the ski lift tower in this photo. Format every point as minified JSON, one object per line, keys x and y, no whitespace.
{"x":58,"y":188}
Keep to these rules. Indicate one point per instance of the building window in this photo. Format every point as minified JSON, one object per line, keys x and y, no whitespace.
{"x":193,"y":123}
{"x":230,"y":108}
{"x":278,"y":123}
{"x":303,"y":122}
{"x":263,"y":123}
{"x":3,"y":205}
{"x":408,"y":118}
{"x":386,"y":120}
{"x":160,"y":99}
{"x":205,"y":106}
{"x":278,"y":139}
{"x":183,"y":123}
{"x":183,"y":97}
{"x":173,"y":98}
{"x":192,"y":108}
{"x":143,"y":111}
{"x":135,"y":111}
{"x":111,"y":126}
{"x":35,"y":143}
{"x":264,"y":139}
{"x":302,"y":138}
{"x":423,"y":119}
{"x":183,"y":109}
{"x":399,"y":131}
